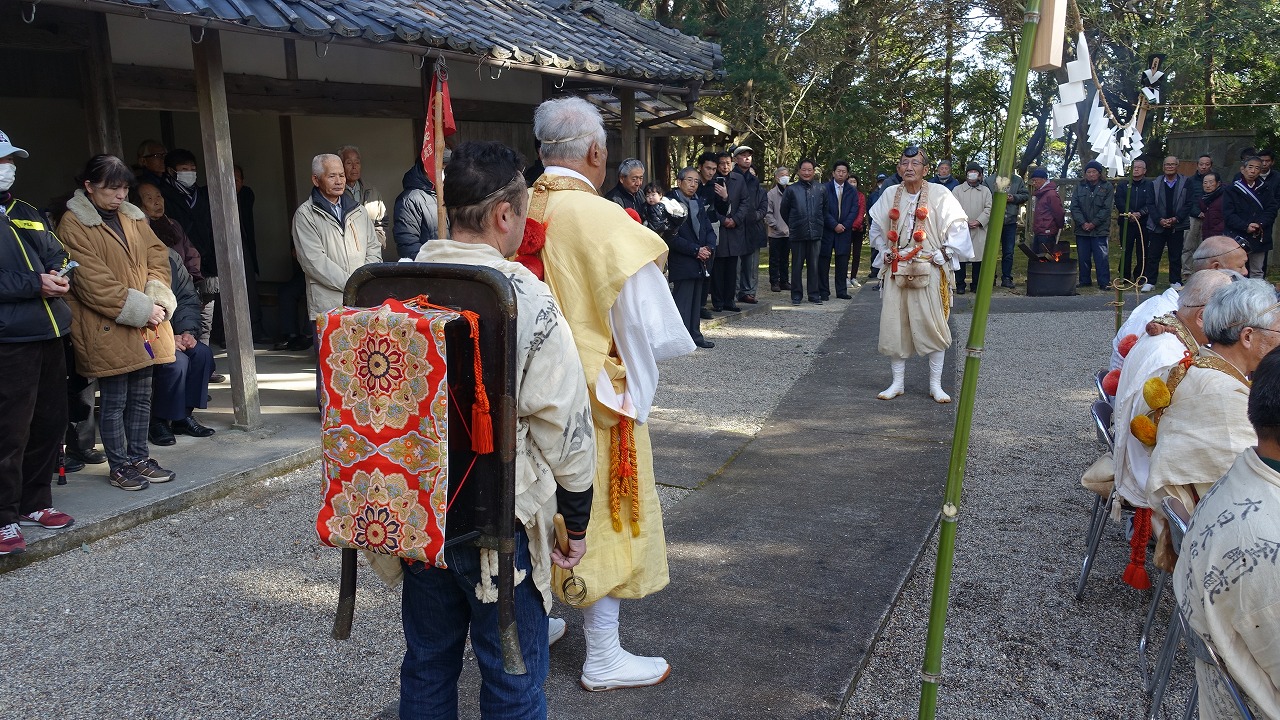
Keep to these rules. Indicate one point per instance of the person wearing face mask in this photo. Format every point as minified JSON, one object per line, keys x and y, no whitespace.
{"x":120,"y":306}
{"x":975,"y":199}
{"x":188,"y":204}
{"x":34,"y":320}
{"x":779,"y":246}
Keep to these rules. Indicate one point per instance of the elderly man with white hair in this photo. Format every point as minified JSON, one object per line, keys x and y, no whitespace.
{"x":1206,"y":425}
{"x":333,"y":235}
{"x":364,"y":193}
{"x":1183,"y":333}
{"x":605,"y":272}
{"x":630,"y":180}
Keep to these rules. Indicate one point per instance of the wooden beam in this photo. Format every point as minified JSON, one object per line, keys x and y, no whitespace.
{"x":100,"y":91}
{"x":627,"y":98}
{"x":215,"y":132}
{"x":289,"y":160}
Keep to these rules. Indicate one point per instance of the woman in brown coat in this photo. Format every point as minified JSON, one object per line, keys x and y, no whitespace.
{"x":120,"y":304}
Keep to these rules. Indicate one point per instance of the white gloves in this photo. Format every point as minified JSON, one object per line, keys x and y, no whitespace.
{"x":938,"y":258}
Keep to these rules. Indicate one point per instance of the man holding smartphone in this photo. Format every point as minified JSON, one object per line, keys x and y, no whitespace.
{"x":34,"y":319}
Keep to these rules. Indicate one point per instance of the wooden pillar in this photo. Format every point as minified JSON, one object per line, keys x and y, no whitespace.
{"x":286,"y":137}
{"x":215,"y":132}
{"x":627,"y":98}
{"x":100,"y":91}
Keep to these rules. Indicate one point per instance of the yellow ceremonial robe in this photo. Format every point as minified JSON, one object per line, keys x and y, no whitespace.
{"x":592,"y":248}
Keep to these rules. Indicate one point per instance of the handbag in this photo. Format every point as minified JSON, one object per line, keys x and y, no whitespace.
{"x":914,"y":275}
{"x":384,"y":429}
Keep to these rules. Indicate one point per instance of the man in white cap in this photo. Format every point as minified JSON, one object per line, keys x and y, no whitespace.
{"x":33,"y":321}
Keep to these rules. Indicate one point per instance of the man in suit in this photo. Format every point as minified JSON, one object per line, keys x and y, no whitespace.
{"x":837,"y":231}
{"x":734,"y":242}
{"x":691,"y":249}
{"x":1167,"y":223}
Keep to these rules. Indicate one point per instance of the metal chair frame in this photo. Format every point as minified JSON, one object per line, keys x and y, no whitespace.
{"x":1102,"y":393}
{"x":1101,"y":412}
{"x":1158,"y":682}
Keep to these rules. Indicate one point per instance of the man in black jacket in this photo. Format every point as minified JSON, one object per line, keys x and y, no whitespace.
{"x":1133,"y":204}
{"x":1167,"y":223}
{"x":34,"y":319}
{"x":630,"y":180}
{"x":717,"y":195}
{"x":691,"y":250}
{"x":804,"y":206}
{"x":1248,"y":212}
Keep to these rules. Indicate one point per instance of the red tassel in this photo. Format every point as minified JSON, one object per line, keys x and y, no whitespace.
{"x":481,"y":429}
{"x":1135,"y":573}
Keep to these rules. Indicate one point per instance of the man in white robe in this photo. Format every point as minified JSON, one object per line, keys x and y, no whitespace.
{"x":1227,"y":581}
{"x":922,"y":234}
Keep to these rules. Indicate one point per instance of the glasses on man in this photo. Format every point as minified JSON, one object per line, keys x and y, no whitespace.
{"x":910,"y":163}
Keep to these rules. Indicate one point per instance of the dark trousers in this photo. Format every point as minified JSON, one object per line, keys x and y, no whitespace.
{"x":183,"y":384}
{"x":824,"y":274}
{"x":126,"y":416}
{"x":804,"y":254}
{"x":33,"y":393}
{"x":855,"y":252}
{"x":1093,"y":251}
{"x":438,"y":607}
{"x":1008,"y":237}
{"x":960,"y":274}
{"x":1129,"y":235}
{"x":82,"y":396}
{"x":779,"y":265}
{"x":725,"y":277}
{"x":289,"y":298}
{"x":1156,"y":243}
{"x":688,"y":298}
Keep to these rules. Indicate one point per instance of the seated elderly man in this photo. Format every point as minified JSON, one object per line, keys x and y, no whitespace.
{"x":1216,"y":253}
{"x":1184,"y":333}
{"x":1227,"y":582}
{"x":1205,"y":425}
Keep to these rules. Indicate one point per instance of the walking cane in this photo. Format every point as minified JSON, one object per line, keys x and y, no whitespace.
{"x":346,"y":596}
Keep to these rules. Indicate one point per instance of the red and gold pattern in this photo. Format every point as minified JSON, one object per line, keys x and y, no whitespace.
{"x":384,"y":432}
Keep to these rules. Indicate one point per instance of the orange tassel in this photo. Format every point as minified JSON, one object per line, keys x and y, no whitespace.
{"x":1135,"y":573}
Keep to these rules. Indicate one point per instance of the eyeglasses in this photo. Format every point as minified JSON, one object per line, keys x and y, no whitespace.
{"x":155,"y":155}
{"x":910,"y":163}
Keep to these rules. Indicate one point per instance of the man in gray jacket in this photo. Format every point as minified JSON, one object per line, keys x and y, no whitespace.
{"x":333,"y":234}
{"x":1091,"y":212}
{"x":804,"y":206}
{"x":1018,"y":196}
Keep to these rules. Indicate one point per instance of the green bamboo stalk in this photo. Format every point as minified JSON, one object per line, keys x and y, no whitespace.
{"x":932,"y":672}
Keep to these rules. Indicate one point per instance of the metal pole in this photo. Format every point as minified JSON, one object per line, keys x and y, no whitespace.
{"x":932,"y":671}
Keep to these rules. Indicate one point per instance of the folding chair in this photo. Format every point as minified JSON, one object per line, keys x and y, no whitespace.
{"x":1203,"y":650}
{"x":1101,"y":412}
{"x":1178,"y":518}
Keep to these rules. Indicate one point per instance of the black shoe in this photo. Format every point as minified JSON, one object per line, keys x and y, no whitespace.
{"x":1007,"y":283}
{"x":216,"y":378}
{"x":815,"y":301}
{"x":189,"y":426}
{"x":705,"y":314}
{"x":151,"y":470}
{"x":796,"y":302}
{"x":299,"y":343}
{"x":283,"y":345}
{"x":775,"y":287}
{"x":826,"y":297}
{"x":716,"y":308}
{"x":732,"y":308}
{"x":706,"y":344}
{"x":127,"y":477}
{"x":70,"y":464}
{"x":159,"y":433}
{"x":960,"y":290}
{"x":785,"y":285}
{"x":91,"y":456}
{"x":844,"y":296}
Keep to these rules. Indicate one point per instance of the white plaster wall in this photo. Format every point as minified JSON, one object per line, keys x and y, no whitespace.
{"x":135,"y":41}
{"x":387,"y":149}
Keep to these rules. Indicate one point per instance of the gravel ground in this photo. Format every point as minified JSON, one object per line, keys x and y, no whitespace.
{"x":224,"y":610}
{"x":1018,"y":644}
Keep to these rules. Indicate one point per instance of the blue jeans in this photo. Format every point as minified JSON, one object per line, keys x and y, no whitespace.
{"x":1093,"y":251}
{"x":1008,"y":236}
{"x":437,"y":609}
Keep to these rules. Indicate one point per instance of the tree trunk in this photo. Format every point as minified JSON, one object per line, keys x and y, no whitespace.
{"x":947,"y":132}
{"x":1210,"y":113}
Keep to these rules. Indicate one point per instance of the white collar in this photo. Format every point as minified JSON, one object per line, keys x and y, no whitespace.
{"x":560,"y":170}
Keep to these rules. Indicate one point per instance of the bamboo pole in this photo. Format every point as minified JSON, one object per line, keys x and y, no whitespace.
{"x":931,"y":674}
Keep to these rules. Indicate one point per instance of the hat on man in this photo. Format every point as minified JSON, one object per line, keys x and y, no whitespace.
{"x":1040,"y":173}
{"x":881,"y":176}
{"x":1095,"y":165}
{"x":7,"y":148}
{"x":973,"y":166}
{"x":742,"y":149}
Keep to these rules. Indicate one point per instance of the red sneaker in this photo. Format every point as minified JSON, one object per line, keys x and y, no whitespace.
{"x":11,"y":542}
{"x":47,"y":518}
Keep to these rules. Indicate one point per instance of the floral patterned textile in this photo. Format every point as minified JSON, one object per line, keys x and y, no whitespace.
{"x":384,"y":430}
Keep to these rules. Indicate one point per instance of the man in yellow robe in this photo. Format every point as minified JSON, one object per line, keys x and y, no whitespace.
{"x":605,"y":272}
{"x":922,"y":234}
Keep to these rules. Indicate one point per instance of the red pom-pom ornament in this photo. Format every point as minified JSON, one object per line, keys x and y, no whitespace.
{"x":529,"y":252}
{"x":634,"y":215}
{"x":894,"y":214}
{"x":1111,"y":382}
{"x":893,"y":236}
{"x":1126,"y":344}
{"x":922,"y":213}
{"x":918,"y":236}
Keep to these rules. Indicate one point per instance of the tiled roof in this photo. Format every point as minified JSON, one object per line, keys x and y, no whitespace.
{"x":594,"y":36}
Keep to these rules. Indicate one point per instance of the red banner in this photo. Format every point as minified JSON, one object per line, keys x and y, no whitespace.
{"x":439,"y":94}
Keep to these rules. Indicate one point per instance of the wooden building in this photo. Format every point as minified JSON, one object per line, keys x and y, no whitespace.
{"x":268,"y":84}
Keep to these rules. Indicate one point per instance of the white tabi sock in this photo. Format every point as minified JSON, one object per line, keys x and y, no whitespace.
{"x":899,"y":368}
{"x":936,"y":360}
{"x":608,"y":666}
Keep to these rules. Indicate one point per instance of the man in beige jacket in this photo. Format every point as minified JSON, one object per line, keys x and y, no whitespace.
{"x":333,"y":234}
